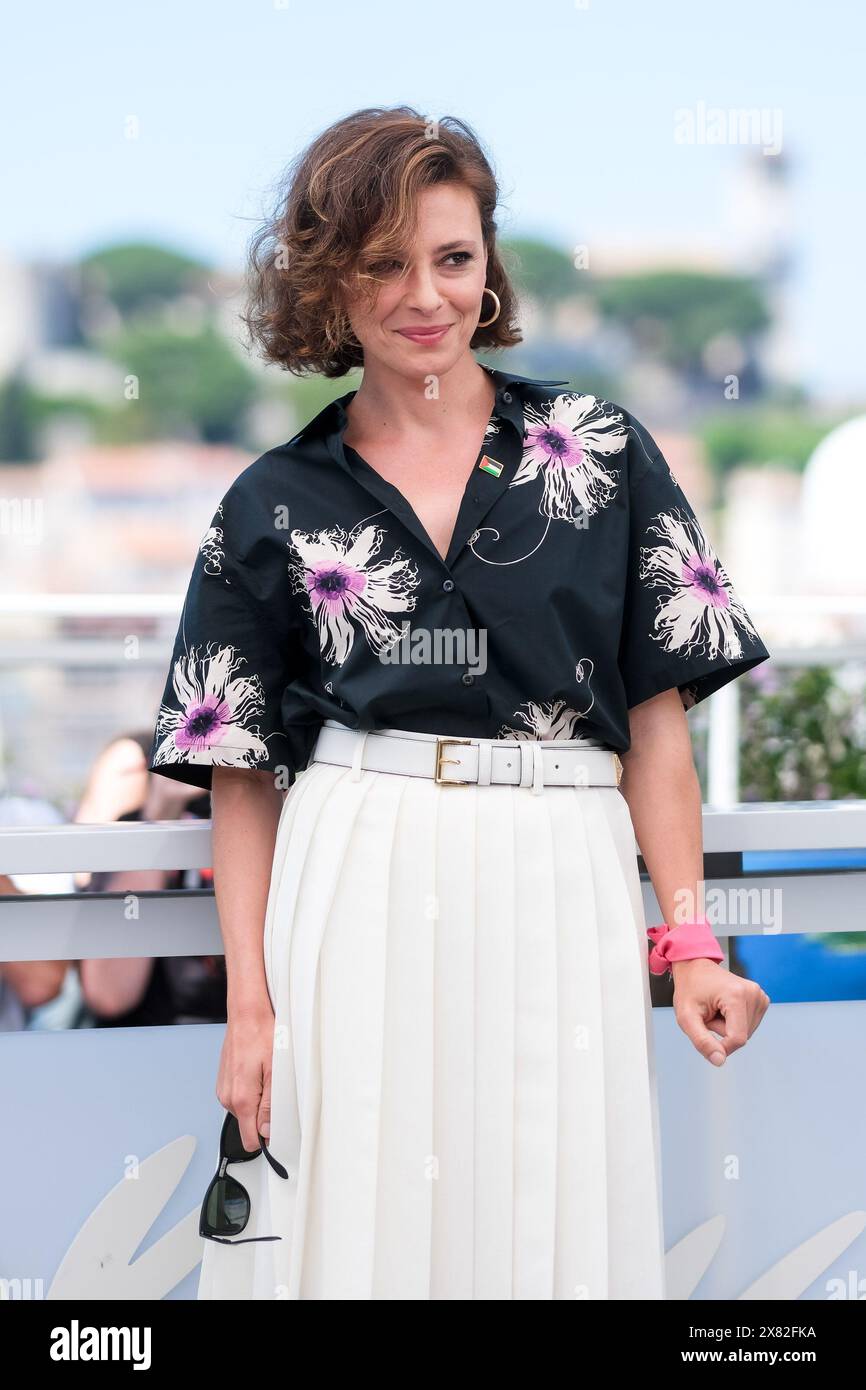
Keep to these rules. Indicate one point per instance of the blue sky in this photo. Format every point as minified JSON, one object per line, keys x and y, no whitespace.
{"x":575,"y":102}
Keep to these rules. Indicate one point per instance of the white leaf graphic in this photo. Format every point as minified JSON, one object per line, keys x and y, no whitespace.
{"x":687,"y":1262}
{"x":789,"y":1277}
{"x":97,"y":1263}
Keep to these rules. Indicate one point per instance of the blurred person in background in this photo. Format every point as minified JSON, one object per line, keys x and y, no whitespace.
{"x":27,"y":987}
{"x":141,"y":990}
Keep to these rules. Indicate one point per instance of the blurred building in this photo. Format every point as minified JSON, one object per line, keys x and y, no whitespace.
{"x":98,"y":546}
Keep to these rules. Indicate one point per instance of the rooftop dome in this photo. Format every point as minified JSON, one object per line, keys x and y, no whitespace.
{"x":833,"y":505}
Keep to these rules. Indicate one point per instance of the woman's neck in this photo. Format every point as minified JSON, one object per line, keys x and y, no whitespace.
{"x":391,"y":406}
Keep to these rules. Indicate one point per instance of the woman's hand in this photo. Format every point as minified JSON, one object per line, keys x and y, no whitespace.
{"x":709,"y":1000}
{"x":244,"y":1078}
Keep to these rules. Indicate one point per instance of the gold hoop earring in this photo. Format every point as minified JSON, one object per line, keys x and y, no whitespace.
{"x":482,"y":323}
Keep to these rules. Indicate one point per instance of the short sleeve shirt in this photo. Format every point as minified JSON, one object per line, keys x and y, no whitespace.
{"x":578,"y":583}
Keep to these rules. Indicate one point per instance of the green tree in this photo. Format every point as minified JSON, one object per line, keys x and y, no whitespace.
{"x":676,"y":313}
{"x":761,"y":436}
{"x":187,"y":385}
{"x":18,"y":420}
{"x":136,"y":276}
{"x":543,"y":271}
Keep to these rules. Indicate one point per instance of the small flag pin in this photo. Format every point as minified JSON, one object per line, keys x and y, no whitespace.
{"x":490,"y":465}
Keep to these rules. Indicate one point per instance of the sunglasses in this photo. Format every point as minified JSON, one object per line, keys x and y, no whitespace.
{"x":225,"y":1210}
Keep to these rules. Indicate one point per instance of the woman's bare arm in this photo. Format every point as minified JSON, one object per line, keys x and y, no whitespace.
{"x":660,"y":783}
{"x":717,"y":1010}
{"x":34,"y":981}
{"x":245,"y":811}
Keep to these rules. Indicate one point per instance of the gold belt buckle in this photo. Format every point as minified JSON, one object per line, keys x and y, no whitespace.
{"x":439,"y":780}
{"x":618,"y":765}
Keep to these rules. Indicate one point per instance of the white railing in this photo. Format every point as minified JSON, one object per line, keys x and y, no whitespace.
{"x":73,"y":926}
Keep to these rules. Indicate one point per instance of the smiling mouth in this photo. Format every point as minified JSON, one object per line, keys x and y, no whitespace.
{"x":425,"y":334}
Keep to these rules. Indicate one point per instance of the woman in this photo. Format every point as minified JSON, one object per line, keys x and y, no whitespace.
{"x":139,"y":991}
{"x":451,"y":600}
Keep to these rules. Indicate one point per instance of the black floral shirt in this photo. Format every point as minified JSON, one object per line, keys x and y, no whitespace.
{"x":578,"y":582}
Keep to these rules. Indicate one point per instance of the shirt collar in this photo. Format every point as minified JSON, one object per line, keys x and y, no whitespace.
{"x":508,"y":405}
{"x":325,"y":435}
{"x":509,"y":402}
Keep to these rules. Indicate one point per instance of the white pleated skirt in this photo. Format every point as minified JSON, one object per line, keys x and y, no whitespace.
{"x":463,"y":1083}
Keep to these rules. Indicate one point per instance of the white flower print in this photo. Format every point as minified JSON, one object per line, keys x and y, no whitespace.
{"x":698,"y":611}
{"x":564,"y":442}
{"x":210,"y":721}
{"x":211,"y":546}
{"x":344,"y":589}
{"x":555,"y":719}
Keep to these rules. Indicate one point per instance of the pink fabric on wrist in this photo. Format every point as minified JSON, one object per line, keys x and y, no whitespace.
{"x":685,"y":941}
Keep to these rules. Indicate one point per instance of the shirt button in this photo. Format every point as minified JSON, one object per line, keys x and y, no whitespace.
{"x":506,"y":396}
{"x":467,"y":678}
{"x":448,"y":585}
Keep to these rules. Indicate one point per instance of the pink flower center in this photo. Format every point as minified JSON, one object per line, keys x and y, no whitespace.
{"x":701,"y":574}
{"x":561,"y":448}
{"x":335,"y":584}
{"x":204,"y":724}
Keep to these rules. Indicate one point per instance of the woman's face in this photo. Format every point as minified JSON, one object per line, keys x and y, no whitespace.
{"x":441,"y":290}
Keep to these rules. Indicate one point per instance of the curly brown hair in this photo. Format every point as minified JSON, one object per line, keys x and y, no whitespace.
{"x":346,"y":202}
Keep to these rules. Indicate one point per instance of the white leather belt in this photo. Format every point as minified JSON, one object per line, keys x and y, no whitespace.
{"x":458,"y":762}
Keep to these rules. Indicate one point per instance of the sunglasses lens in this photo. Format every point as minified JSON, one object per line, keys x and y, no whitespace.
{"x":228,"y":1207}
